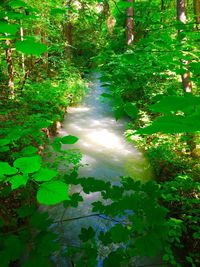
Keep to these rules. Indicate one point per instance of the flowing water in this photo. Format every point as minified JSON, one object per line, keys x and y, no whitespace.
{"x":106,"y":155}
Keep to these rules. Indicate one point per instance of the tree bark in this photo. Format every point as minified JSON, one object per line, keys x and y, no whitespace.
{"x":196,"y":5}
{"x":22,"y":38}
{"x":181,"y":17}
{"x":186,"y":82}
{"x":68,"y":33}
{"x":10,"y":69}
{"x":129,"y":24}
{"x":162,"y":8}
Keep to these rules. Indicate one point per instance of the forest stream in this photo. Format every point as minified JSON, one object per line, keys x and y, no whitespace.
{"x":106,"y":155}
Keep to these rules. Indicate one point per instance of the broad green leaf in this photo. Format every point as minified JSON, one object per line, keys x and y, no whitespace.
{"x":44,"y":174}
{"x":176,"y":103}
{"x":6,"y":169}
{"x":118,"y":112}
{"x":4,"y":142}
{"x":29,"y":150}
{"x":119,"y":233}
{"x":131,"y":110}
{"x":149,"y":245}
{"x":4,"y":148}
{"x":106,"y":95}
{"x":87,"y":234}
{"x":56,"y":146}
{"x":26,"y":210}
{"x":47,"y":245}
{"x":125,"y":5}
{"x":52,"y":193}
{"x":18,"y":180}
{"x":195,"y":68}
{"x":8,"y":28}
{"x":105,"y":238}
{"x":15,"y":15}
{"x":30,"y":47}
{"x":14,"y":247}
{"x":17,"y":3}
{"x":28,"y":164}
{"x":74,"y":201}
{"x":172,"y":124}
{"x":69,"y":139}
{"x":114,"y":259}
{"x":40,"y":220}
{"x":57,"y":11}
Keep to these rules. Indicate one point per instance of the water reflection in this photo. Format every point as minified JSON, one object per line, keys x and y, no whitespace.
{"x":102,"y":141}
{"x":106,"y":155}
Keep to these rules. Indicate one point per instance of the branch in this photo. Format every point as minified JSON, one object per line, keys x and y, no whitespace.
{"x":28,"y":72}
{"x":77,"y":218}
{"x":90,"y":215}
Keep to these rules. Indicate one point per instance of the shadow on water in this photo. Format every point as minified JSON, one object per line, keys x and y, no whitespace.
{"x":106,"y":155}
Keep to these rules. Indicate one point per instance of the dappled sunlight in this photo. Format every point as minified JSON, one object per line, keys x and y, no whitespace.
{"x":106,"y":154}
{"x":78,"y":109}
{"x":105,"y":138}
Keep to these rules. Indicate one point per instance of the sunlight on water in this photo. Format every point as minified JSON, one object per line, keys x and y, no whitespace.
{"x":105,"y":138}
{"x":106,"y":156}
{"x":102,"y":141}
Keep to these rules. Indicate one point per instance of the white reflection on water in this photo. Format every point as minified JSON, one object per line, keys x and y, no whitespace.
{"x":101,"y":140}
{"x":106,"y":155}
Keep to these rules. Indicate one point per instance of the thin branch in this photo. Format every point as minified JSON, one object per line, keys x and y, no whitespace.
{"x":91,"y":215}
{"x":78,"y":218}
{"x":28,"y":73}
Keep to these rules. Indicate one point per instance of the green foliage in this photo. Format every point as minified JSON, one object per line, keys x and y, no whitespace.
{"x":143,"y":83}
{"x":30,"y":47}
{"x":52,"y":193}
{"x":28,"y":165}
{"x":69,"y":139}
{"x":45,"y":174}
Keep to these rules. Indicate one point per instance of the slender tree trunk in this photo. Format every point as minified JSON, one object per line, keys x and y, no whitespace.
{"x":106,"y":9}
{"x":68,"y":32}
{"x":46,"y":54}
{"x":10,"y":69}
{"x":196,"y":5}
{"x":181,"y":17}
{"x":129,"y":24}
{"x":162,"y":17}
{"x":22,"y":38}
{"x":186,"y":82}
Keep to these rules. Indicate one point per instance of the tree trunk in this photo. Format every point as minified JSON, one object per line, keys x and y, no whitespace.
{"x":46,"y":54}
{"x":22,"y":38}
{"x":196,"y":5}
{"x":181,"y":17}
{"x":162,"y":17}
{"x":129,"y":24}
{"x":10,"y":69}
{"x":187,"y":85}
{"x":68,"y":33}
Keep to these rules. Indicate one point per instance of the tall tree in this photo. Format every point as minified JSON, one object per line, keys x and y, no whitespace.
{"x":68,"y":29}
{"x":181,"y":17}
{"x":129,"y":23}
{"x":10,"y":68}
{"x":196,"y":4}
